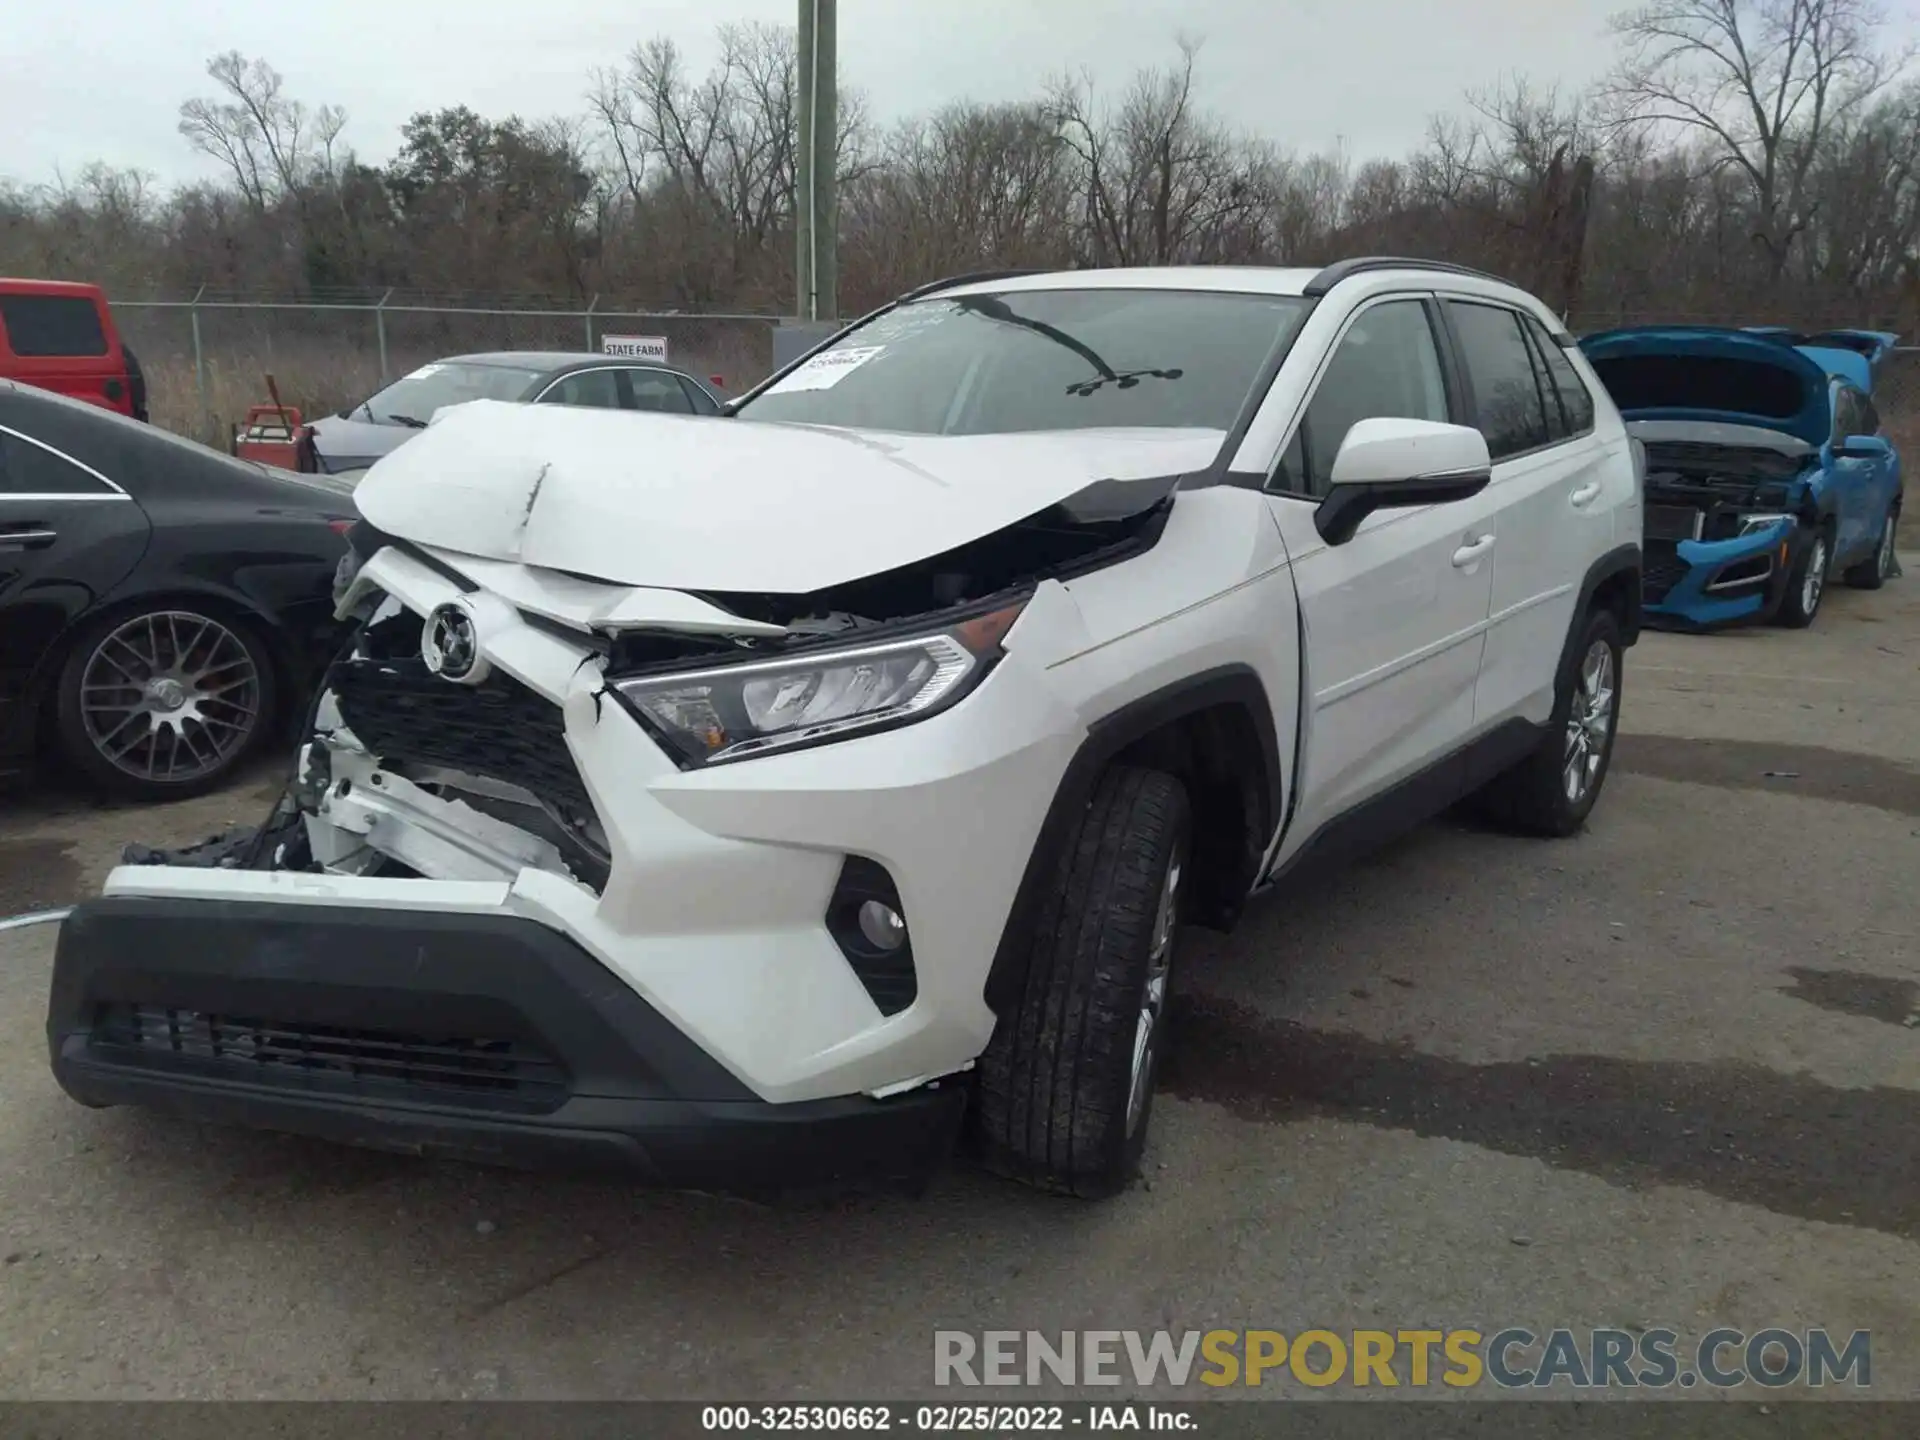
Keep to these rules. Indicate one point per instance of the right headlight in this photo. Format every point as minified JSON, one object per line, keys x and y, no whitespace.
{"x":1761,"y":520}
{"x":734,"y":712}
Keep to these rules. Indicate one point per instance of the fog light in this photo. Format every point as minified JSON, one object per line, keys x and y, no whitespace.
{"x":882,"y":926}
{"x":869,"y":924}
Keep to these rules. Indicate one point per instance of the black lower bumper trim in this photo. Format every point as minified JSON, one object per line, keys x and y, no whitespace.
{"x":355,"y":1015}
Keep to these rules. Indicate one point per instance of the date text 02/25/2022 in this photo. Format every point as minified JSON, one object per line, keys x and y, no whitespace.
{"x":945,"y":1419}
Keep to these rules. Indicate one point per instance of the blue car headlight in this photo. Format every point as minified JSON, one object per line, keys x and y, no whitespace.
{"x":1762,"y":520}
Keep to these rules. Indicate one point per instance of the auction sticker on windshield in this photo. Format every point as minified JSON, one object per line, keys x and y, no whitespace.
{"x":823,"y":372}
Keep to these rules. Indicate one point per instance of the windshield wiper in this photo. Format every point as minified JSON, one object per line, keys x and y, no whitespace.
{"x":994,"y":308}
{"x":1124,"y":380}
{"x":406,"y":420}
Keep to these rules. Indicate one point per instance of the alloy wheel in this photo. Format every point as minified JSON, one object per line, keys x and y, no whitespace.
{"x":1589,"y":722}
{"x":1816,"y":577}
{"x":1153,"y":1000}
{"x":170,"y":696}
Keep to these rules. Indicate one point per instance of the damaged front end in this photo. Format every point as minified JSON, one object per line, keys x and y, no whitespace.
{"x":404,"y":775}
{"x":1726,"y":516}
{"x":1732,"y":422}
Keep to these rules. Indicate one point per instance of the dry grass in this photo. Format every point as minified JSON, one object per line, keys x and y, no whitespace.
{"x":316,"y":385}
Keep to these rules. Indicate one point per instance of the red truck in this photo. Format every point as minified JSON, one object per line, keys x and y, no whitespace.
{"x":59,"y":335}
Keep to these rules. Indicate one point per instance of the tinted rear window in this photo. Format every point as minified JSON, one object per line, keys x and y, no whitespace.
{"x":1694,"y":382}
{"x":52,"y":325}
{"x":1506,"y":386}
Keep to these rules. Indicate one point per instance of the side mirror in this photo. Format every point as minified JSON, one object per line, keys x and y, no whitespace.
{"x":1865,"y":447}
{"x":1392,"y":464}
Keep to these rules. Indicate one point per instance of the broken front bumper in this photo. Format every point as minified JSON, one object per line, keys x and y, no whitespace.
{"x":1714,"y":584}
{"x":480,"y":1037}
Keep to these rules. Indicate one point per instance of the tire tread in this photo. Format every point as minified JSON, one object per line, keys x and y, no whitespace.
{"x":1050,"y":1107}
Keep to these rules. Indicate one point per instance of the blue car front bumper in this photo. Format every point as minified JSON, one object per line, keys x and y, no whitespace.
{"x":1712,"y":584}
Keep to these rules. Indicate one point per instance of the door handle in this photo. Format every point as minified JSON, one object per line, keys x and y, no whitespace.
{"x":1471,"y":551}
{"x":26,"y":537}
{"x":1585,"y":495}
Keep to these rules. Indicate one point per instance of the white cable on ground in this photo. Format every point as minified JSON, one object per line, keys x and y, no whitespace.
{"x":35,"y":917}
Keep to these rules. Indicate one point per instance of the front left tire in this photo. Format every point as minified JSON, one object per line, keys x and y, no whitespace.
{"x":1065,"y":1087}
{"x":163,"y":702}
{"x":1806,"y":583}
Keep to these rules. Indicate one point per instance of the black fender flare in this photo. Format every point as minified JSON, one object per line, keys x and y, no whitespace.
{"x":1105,"y":738}
{"x":1617,"y":561}
{"x":1621,"y":560}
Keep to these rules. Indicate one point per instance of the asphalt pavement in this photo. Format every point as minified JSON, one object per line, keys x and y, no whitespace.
{"x":1664,"y":1074}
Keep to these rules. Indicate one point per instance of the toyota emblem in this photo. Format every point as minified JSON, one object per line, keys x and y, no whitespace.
{"x":450,"y":645}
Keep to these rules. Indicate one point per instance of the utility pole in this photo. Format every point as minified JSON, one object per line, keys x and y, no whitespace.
{"x":816,"y":208}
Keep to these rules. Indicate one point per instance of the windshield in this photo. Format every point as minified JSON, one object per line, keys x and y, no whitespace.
{"x":412,"y":399}
{"x":1041,"y":360}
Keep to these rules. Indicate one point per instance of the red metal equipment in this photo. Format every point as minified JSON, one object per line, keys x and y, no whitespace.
{"x":274,"y":435}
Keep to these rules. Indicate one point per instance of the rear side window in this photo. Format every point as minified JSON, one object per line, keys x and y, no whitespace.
{"x":658,"y":391}
{"x":1506,"y":389}
{"x":52,"y":325}
{"x":599,"y":389}
{"x":702,"y":402}
{"x":30,"y":469}
{"x":1563,"y":381}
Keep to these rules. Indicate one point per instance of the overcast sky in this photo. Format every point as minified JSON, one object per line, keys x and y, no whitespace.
{"x":1308,"y":73}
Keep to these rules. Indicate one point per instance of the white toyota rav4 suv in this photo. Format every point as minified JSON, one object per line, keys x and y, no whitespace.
{"x":766,"y":800}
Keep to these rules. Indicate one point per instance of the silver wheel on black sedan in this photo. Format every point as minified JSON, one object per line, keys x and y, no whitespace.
{"x":165,"y":701}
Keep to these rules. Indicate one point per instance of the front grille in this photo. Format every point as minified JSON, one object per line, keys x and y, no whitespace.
{"x":499,"y":730}
{"x":1662,"y":569}
{"x":295,"y":1054}
{"x":1672,"y":522}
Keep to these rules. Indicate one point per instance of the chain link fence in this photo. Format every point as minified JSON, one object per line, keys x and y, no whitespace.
{"x":208,"y":358}
{"x":1896,"y":395}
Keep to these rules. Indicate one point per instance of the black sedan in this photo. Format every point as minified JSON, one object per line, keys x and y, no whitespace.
{"x":355,"y":438}
{"x":161,"y":605}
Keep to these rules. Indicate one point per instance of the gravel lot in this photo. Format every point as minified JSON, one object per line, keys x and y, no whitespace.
{"x":1661,"y":1074}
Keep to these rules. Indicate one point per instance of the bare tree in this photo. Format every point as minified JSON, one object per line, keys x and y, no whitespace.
{"x":1748,"y":160}
{"x":706,"y":165}
{"x":273,"y":145}
{"x":1758,"y":83}
{"x":970,"y":187}
{"x":1162,"y":181}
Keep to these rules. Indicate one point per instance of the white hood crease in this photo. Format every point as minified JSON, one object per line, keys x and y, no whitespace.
{"x":683,"y":503}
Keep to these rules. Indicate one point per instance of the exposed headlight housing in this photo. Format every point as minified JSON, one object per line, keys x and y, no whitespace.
{"x":734,"y":712}
{"x":1761,"y":520}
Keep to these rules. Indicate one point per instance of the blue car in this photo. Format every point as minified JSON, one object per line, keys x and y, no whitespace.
{"x":1766,"y":471}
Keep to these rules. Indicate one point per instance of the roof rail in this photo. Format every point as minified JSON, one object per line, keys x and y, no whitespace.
{"x":1340,"y":270}
{"x":972,"y":277}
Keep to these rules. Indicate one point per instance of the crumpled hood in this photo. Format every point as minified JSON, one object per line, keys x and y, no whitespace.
{"x":685,"y":503}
